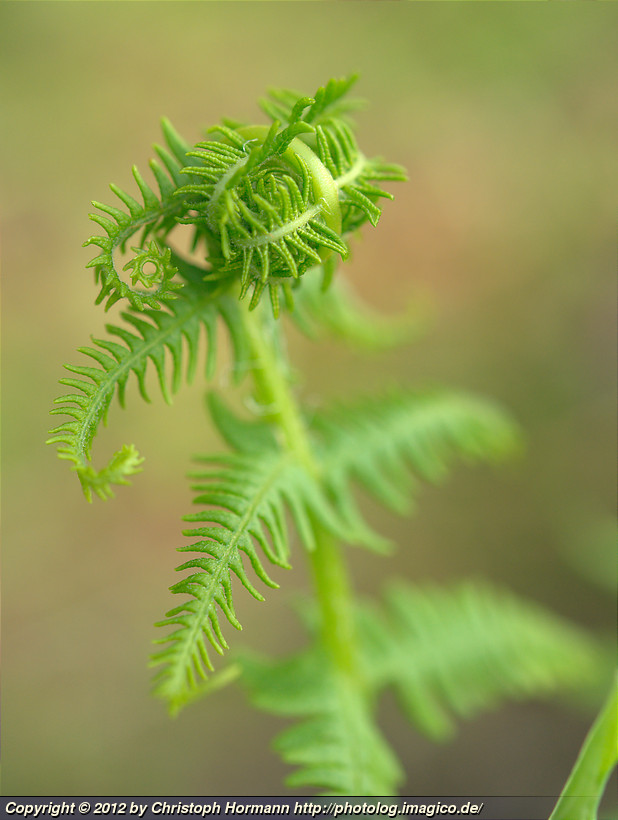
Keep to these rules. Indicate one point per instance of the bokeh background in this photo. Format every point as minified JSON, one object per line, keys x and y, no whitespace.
{"x":503,"y":115}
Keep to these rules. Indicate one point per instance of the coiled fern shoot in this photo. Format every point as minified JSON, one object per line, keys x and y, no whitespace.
{"x":273,"y":208}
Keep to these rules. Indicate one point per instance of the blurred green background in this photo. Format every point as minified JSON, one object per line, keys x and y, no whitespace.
{"x":504,"y":116}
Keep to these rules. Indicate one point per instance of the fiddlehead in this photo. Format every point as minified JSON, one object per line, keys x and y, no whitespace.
{"x":155,"y":218}
{"x":268,"y":203}
{"x":281,"y":200}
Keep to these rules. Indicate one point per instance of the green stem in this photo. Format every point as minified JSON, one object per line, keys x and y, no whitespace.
{"x":335,"y":598}
{"x":274,"y":393}
{"x":272,"y":390}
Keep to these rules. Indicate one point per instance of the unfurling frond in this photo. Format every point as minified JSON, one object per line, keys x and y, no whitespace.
{"x":151,"y":334}
{"x":337,"y":746}
{"x":331,"y":138}
{"x":267,"y":202}
{"x":154,"y":218}
{"x":163,"y":271}
{"x":384,"y":443}
{"x":330,"y":101}
{"x":354,"y":175}
{"x":279,"y":200}
{"x":245,"y":498}
{"x":452,"y":653}
{"x":272,"y":209}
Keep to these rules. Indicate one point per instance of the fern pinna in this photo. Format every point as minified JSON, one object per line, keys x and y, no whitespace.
{"x":272,"y":208}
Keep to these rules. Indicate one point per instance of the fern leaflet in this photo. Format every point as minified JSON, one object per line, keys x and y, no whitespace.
{"x":246,"y":496}
{"x":339,"y":313}
{"x":463,"y":650}
{"x":337,"y":745}
{"x":156,"y":217}
{"x":354,"y":174}
{"x":329,"y":102}
{"x":147,"y":341}
{"x":459,"y":650}
{"x":379,"y":441}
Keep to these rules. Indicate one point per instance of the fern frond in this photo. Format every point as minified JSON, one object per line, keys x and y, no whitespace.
{"x":334,"y":143}
{"x":336,"y":745}
{"x":448,"y":653}
{"x":354,"y":174}
{"x":258,"y":195}
{"x":155,"y":217}
{"x":339,"y":313}
{"x":151,"y":334}
{"x":124,"y":463}
{"x":452,"y":653}
{"x":383,"y":443}
{"x":273,"y":198}
{"x":246,"y":497}
{"x":328,"y":102}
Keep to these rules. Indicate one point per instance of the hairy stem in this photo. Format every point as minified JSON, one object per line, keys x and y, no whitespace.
{"x":273,"y":391}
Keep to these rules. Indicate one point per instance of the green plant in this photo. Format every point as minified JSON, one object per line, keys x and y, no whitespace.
{"x":597,"y":759}
{"x":271,"y":208}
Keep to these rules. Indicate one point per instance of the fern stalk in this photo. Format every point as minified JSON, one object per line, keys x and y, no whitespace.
{"x":354,"y":757}
{"x":273,"y":390}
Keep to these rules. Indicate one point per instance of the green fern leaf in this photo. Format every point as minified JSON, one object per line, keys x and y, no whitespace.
{"x":265,"y":213}
{"x":448,"y":653}
{"x":339,"y":313}
{"x":354,"y":174}
{"x":336,"y":745}
{"x":157,"y":215}
{"x":245,"y":497}
{"x":383,"y":443}
{"x":456,"y":652}
{"x":152,"y":333}
{"x":329,"y":102}
{"x":272,"y":198}
{"x":334,"y":143}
